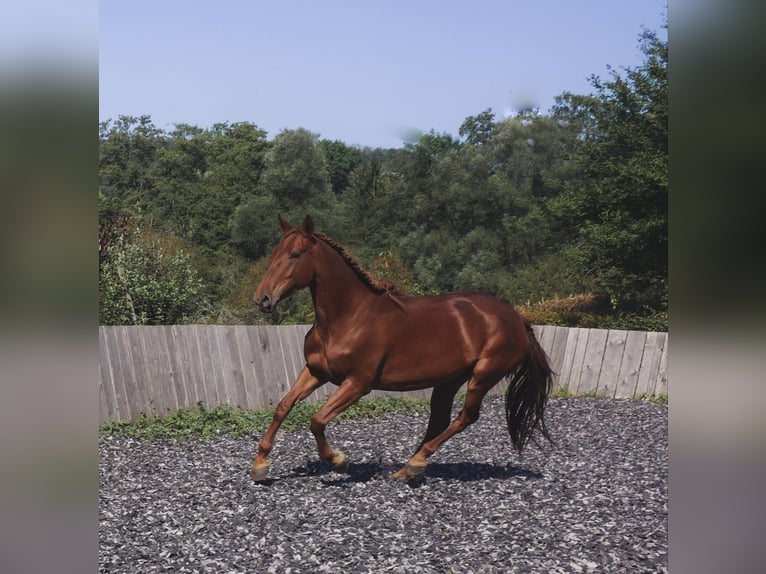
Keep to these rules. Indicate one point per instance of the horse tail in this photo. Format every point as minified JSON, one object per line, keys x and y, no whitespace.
{"x":527,"y":394}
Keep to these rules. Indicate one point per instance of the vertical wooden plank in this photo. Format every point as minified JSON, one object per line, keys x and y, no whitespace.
{"x":173,"y":350}
{"x":248,"y":360}
{"x":147,"y":354}
{"x":165,"y":383}
{"x":275,"y":386}
{"x":197,"y":363}
{"x":292,"y":357}
{"x":191,"y":366}
{"x":631,"y":363}
{"x":565,"y":375}
{"x":661,"y":386}
{"x":153,"y":370}
{"x":125,"y":368}
{"x":284,"y":362}
{"x":237,"y":366}
{"x":260,"y":369}
{"x":610,"y":368}
{"x":211,"y":365}
{"x":107,"y":374}
{"x":218,"y":363}
{"x":578,"y":360}
{"x":295,"y":338}
{"x":140,"y":377}
{"x":260,"y":378}
{"x":121,"y":367}
{"x":649,"y":364}
{"x":545,"y":336}
{"x":594,"y":357}
{"x":103,"y":410}
{"x":182,"y":339}
{"x":222,"y":362}
{"x":556,"y":355}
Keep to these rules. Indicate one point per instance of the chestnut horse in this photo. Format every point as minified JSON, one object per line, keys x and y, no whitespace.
{"x":367,"y":335}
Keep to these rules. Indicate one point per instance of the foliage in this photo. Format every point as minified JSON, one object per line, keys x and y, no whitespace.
{"x":141,"y":282}
{"x":589,"y":311}
{"x":618,"y":204}
{"x":531,"y":207}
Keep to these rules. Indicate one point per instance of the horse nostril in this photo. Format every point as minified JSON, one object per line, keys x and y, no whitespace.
{"x":265,"y":301}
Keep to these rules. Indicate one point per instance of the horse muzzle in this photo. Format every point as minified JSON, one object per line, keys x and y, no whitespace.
{"x":266,"y":302}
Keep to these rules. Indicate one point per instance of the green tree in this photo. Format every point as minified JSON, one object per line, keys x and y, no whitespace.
{"x":341,"y":160}
{"x":128,"y":148}
{"x":295,"y":171}
{"x":203,"y":175}
{"x":254,"y":228}
{"x":478,"y":130}
{"x":618,"y":204}
{"x":237,"y":155}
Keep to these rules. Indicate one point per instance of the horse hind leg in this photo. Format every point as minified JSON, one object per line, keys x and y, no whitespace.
{"x":442,"y":398}
{"x":475,"y":392}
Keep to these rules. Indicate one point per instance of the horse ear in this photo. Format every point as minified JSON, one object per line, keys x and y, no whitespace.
{"x":284,"y":225}
{"x":308,"y":225}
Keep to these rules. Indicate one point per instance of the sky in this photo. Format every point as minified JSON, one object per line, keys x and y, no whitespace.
{"x":368,"y":73}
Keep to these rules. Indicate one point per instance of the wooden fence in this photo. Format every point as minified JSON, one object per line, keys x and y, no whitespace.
{"x":158,"y":369}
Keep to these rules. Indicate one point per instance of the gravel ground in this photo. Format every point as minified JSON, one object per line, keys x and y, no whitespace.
{"x":596,"y":502}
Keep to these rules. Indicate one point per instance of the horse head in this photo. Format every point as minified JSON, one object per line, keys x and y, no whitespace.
{"x":292,"y":264}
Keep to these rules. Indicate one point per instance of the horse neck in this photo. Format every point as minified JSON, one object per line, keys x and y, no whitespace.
{"x":337,"y":291}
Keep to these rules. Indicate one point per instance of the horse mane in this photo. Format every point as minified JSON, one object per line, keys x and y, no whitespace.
{"x":378,"y":286}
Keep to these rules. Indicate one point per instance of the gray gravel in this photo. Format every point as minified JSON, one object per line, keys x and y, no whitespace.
{"x":596,"y":502}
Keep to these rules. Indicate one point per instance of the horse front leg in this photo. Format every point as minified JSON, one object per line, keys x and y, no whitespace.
{"x":304,"y":385}
{"x":343,"y":397}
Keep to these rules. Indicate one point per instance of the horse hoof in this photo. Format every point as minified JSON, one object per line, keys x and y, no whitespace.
{"x":409,"y":471}
{"x":413,"y":470}
{"x":260,"y":472}
{"x":339,"y":461}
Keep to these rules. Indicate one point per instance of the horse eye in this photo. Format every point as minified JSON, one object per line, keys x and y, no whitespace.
{"x":295,"y":254}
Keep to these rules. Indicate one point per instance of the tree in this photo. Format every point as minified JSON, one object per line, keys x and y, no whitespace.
{"x":254,"y":229}
{"x":478,"y":130}
{"x":128,"y":148}
{"x":295,"y":170}
{"x":618,"y":202}
{"x":341,"y":160}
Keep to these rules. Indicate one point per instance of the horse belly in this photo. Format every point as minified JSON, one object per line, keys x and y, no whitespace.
{"x":420,"y":366}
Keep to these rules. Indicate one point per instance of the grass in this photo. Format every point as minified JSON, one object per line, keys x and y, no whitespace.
{"x":204,"y":422}
{"x":564,"y":392}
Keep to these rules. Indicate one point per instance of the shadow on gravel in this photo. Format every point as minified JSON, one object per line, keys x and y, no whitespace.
{"x":470,"y":471}
{"x":366,"y":471}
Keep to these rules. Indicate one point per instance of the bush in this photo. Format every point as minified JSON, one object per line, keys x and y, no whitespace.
{"x":141,"y":283}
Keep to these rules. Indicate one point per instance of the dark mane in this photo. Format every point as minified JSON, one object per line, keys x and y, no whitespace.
{"x":379,"y":286}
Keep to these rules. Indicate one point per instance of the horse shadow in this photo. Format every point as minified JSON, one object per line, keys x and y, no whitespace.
{"x":367,"y":471}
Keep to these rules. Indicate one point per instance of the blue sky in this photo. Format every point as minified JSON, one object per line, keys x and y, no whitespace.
{"x":366,"y":73}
